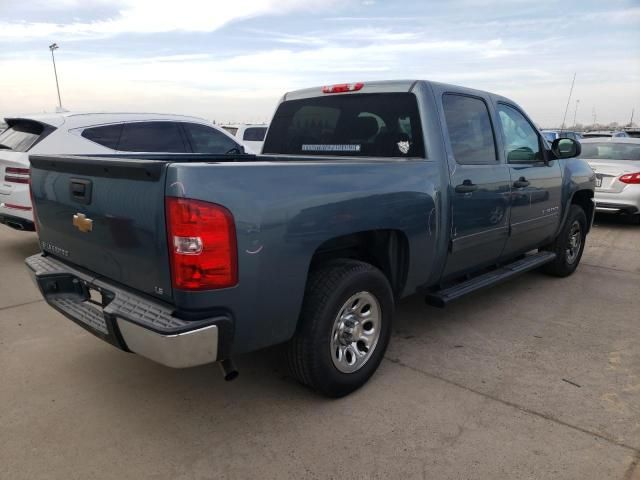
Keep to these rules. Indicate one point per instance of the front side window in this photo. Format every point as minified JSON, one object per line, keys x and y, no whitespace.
{"x":254,"y":134}
{"x":107,"y":135}
{"x":470,"y":130}
{"x":361,"y":125}
{"x":522,"y":143}
{"x":205,"y":139}
{"x":158,"y":137}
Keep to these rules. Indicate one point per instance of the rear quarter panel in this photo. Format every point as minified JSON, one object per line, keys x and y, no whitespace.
{"x":284,"y":210}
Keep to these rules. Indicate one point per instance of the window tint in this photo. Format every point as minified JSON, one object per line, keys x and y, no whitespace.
{"x":107,"y":136}
{"x":522,"y":143}
{"x":151,"y":137}
{"x":205,"y":139}
{"x":470,"y":130}
{"x":377,"y":125}
{"x":254,"y":134}
{"x":21,"y":136}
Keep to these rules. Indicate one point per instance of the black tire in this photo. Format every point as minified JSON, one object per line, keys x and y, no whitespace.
{"x":309,"y":353}
{"x":564,"y":263}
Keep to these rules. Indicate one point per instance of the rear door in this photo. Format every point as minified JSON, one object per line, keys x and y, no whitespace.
{"x":105,"y":215}
{"x":536,"y":182}
{"x":480,"y":185}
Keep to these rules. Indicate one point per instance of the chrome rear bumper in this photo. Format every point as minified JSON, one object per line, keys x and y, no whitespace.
{"x":126,"y":320}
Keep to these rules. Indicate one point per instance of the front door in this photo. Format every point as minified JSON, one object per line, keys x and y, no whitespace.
{"x":480,"y":186}
{"x":536,"y":183}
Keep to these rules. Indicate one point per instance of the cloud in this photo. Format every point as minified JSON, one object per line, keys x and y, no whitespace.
{"x":152,"y":16}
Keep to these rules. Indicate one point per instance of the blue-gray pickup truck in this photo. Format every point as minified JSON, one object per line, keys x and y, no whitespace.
{"x":365,"y":193}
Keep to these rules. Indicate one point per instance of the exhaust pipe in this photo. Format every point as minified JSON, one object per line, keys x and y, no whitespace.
{"x":229,"y":371}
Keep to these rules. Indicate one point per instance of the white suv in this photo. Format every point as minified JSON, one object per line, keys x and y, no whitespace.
{"x":251,"y":136}
{"x":94,"y":133}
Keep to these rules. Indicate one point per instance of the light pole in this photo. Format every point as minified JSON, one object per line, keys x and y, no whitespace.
{"x":575,"y":113}
{"x":52,"y":47}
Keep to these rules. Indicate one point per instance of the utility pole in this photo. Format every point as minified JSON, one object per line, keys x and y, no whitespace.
{"x":52,"y":47}
{"x":631,"y":121}
{"x":594,"y":117}
{"x":575,"y":113}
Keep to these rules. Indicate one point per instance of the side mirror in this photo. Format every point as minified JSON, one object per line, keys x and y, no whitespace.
{"x":565,"y":148}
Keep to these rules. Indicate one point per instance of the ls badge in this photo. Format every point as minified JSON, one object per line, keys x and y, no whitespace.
{"x":82,"y":223}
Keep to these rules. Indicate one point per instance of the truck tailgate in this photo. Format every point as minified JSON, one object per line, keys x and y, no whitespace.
{"x":105,"y":215}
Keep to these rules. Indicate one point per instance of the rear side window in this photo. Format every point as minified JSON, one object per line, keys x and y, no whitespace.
{"x":20,"y":136}
{"x":205,"y":139}
{"x":107,"y":135}
{"x":254,"y":134}
{"x":470,"y":130}
{"x":151,"y":137}
{"x":371,"y":125}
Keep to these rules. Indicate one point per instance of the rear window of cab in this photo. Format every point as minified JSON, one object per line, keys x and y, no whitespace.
{"x":352,"y":125}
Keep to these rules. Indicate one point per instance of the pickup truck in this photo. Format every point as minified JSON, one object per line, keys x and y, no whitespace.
{"x":365,"y":193}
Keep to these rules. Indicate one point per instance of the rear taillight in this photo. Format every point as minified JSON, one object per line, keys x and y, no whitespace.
{"x":16,"y":175}
{"x":202,"y":245}
{"x":630,"y":178}
{"x":342,"y":88}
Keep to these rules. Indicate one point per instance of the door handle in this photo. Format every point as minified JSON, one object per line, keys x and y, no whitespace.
{"x":466,"y":187}
{"x":521,"y":183}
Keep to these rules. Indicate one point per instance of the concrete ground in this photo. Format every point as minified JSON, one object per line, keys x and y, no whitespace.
{"x":538,"y":378}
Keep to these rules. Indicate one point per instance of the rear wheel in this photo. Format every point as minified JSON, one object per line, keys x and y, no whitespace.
{"x":569,"y":244}
{"x":344,"y":328}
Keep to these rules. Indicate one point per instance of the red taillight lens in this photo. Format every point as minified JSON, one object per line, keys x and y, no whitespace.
{"x":630,"y":178}
{"x":342,"y":88}
{"x":16,"y":175}
{"x":202,"y":245}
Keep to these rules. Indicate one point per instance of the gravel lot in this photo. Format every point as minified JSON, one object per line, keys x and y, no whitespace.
{"x":538,"y":378}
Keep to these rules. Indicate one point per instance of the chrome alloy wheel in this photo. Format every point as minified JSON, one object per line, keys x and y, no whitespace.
{"x":575,"y":242}
{"x":356,"y":331}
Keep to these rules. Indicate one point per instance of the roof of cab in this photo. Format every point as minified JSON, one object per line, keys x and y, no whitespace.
{"x":78,"y":119}
{"x":388,"y":86}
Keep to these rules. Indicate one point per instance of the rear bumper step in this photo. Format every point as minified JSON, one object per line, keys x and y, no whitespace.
{"x":128,"y":321}
{"x":17,"y":222}
{"x":442,"y":298}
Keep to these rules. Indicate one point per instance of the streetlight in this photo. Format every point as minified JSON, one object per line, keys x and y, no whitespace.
{"x":52,"y":47}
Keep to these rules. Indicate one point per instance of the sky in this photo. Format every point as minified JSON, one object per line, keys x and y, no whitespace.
{"x":232,"y":61}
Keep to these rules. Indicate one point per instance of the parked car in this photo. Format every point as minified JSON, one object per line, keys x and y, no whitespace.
{"x":604,"y":134}
{"x":616,"y":162}
{"x":365,"y":193}
{"x":88,"y":134}
{"x":551,"y":135}
{"x":251,"y":135}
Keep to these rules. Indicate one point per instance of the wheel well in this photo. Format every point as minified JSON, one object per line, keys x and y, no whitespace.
{"x":387,"y":250}
{"x":583,"y":198}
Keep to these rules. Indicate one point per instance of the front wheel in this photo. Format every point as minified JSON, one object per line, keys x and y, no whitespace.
{"x":569,"y":244}
{"x":344,"y":328}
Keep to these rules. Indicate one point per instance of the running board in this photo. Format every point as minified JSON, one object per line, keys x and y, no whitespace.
{"x":442,"y":298}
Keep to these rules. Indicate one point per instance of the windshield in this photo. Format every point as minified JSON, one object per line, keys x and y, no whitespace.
{"x":611,"y":151}
{"x":356,"y":125}
{"x":21,"y":136}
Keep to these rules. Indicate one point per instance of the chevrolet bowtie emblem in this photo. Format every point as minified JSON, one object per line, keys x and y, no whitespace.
{"x":82,"y":223}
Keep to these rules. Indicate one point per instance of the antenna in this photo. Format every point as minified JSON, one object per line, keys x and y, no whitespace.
{"x":568,"y":101}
